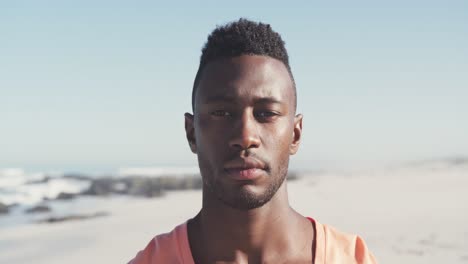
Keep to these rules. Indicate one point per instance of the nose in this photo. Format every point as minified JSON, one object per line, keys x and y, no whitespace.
{"x":245,"y":133}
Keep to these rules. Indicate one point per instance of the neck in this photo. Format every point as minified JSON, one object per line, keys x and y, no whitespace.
{"x":234,"y":233}
{"x":246,"y":225}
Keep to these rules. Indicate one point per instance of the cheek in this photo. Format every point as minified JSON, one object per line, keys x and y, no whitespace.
{"x":209,"y":133}
{"x":211,"y":145}
{"x":277,"y":147}
{"x":279,"y":137}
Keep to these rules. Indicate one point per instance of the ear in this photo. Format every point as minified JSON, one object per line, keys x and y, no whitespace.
{"x":190,"y":132}
{"x":297,"y":133}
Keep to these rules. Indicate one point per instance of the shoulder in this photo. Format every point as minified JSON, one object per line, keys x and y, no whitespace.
{"x":169,"y":247}
{"x":334,"y":246}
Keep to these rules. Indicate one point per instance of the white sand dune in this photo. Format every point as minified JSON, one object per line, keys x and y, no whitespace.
{"x":409,"y":215}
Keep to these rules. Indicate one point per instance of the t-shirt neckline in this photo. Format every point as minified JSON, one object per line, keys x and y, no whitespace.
{"x":187,"y":257}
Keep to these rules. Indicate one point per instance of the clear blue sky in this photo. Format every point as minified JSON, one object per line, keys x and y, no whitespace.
{"x":98,"y":85}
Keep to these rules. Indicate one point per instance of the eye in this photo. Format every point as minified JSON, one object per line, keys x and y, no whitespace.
{"x":221,"y":113}
{"x":265,"y":114}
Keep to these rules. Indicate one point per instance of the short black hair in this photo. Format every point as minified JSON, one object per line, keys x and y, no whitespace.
{"x":243,"y":37}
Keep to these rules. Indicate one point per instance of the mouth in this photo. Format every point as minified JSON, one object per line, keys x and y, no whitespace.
{"x":245,"y":174}
{"x":245,"y":169}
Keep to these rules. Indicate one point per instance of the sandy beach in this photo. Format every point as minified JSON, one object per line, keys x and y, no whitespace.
{"x":410,"y":214}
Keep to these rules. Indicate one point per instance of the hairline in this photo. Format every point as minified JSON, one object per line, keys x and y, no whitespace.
{"x":201,"y":67}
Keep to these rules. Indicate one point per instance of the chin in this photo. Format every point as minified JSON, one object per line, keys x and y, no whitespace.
{"x":245,"y":198}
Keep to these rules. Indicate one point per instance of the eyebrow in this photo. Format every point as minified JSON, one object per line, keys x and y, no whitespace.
{"x":231,"y":99}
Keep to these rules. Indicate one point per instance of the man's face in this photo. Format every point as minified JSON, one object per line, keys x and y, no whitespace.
{"x":244,"y":129}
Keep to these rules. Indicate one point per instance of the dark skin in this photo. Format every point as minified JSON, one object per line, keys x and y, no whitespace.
{"x":243,"y":130}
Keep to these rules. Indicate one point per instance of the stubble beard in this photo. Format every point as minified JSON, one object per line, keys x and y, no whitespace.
{"x":242,"y":198}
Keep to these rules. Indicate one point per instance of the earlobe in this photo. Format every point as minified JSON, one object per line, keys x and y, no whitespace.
{"x":190,"y":132}
{"x":297,"y":133}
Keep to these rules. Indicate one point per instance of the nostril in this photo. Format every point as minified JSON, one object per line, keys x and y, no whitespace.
{"x":245,"y":143}
{"x":237,"y":147}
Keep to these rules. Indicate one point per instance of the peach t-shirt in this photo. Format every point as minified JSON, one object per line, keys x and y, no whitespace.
{"x":331,"y":246}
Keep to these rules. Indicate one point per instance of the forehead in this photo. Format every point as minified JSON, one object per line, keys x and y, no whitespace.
{"x":245,"y":78}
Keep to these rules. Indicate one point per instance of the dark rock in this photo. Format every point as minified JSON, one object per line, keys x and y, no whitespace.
{"x":65,"y":196}
{"x":38,"y":209}
{"x":4,"y":209}
{"x":100,"y":187}
{"x":146,"y":187}
{"x":181,"y":183}
{"x":142,"y":186}
{"x":80,"y":177}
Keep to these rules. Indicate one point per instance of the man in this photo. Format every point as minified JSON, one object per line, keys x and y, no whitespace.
{"x":243,"y":129}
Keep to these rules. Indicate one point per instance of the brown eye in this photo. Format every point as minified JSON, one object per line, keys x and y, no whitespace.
{"x":265,"y":114}
{"x":221,"y":113}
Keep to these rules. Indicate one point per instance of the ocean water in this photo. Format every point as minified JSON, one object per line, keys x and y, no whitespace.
{"x":18,"y":187}
{"x":21,"y":190}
